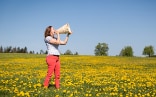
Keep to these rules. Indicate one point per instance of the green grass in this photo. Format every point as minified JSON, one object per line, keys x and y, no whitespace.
{"x":103,"y":76}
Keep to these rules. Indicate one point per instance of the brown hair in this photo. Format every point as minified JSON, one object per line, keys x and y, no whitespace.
{"x":47,"y":31}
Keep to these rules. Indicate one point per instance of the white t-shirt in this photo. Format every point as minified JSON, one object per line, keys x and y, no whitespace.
{"x":51,"y":48}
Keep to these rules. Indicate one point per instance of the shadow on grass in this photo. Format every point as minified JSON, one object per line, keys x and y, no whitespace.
{"x":51,"y":86}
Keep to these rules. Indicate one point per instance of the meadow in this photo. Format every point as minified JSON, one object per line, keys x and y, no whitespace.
{"x":81,"y":76}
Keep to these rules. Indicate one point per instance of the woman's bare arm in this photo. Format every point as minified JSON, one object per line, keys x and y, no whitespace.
{"x":65,"y":41}
{"x":55,"y":41}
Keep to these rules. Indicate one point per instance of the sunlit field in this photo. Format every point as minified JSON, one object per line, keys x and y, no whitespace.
{"x":81,"y":76}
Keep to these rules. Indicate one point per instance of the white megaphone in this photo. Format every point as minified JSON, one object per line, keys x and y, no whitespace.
{"x":65,"y":29}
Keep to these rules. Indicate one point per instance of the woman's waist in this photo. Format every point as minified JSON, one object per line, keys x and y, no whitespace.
{"x":53,"y":52}
{"x":53,"y":55}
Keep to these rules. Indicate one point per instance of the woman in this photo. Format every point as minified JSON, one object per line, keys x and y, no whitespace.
{"x":52,"y":58}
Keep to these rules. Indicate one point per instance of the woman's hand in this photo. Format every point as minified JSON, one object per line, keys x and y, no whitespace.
{"x":68,"y":34}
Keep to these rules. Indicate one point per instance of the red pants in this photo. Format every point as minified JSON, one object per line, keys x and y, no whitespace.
{"x":53,"y":63}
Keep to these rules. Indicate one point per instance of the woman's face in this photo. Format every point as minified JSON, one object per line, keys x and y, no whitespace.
{"x":52,"y":31}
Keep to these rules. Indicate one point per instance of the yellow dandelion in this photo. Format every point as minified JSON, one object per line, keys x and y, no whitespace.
{"x":39,"y":85}
{"x":16,"y":90}
{"x":64,"y":91}
{"x":16,"y":79}
{"x":86,"y":95}
{"x":21,"y":93}
{"x":57,"y":95}
{"x":27,"y":94}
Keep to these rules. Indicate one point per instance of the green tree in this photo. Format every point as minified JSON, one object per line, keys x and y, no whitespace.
{"x":41,"y":52}
{"x":127,"y":51}
{"x":25,"y":50}
{"x":101,"y":49}
{"x":148,"y":50}
{"x":68,"y":52}
{"x":1,"y":49}
{"x":76,"y":53}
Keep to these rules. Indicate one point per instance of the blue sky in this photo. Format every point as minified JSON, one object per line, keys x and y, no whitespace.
{"x":118,"y":23}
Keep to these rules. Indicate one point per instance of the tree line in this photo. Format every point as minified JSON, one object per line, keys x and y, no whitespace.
{"x":10,"y":49}
{"x":101,"y":49}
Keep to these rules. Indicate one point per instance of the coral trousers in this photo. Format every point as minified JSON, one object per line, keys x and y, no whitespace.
{"x":53,"y":63}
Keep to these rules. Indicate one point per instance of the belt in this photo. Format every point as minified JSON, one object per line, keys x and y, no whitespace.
{"x":53,"y":55}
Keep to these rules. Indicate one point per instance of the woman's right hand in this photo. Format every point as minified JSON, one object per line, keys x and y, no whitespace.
{"x":68,"y":34}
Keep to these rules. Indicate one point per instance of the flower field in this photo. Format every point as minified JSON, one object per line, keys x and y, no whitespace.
{"x":81,"y":76}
